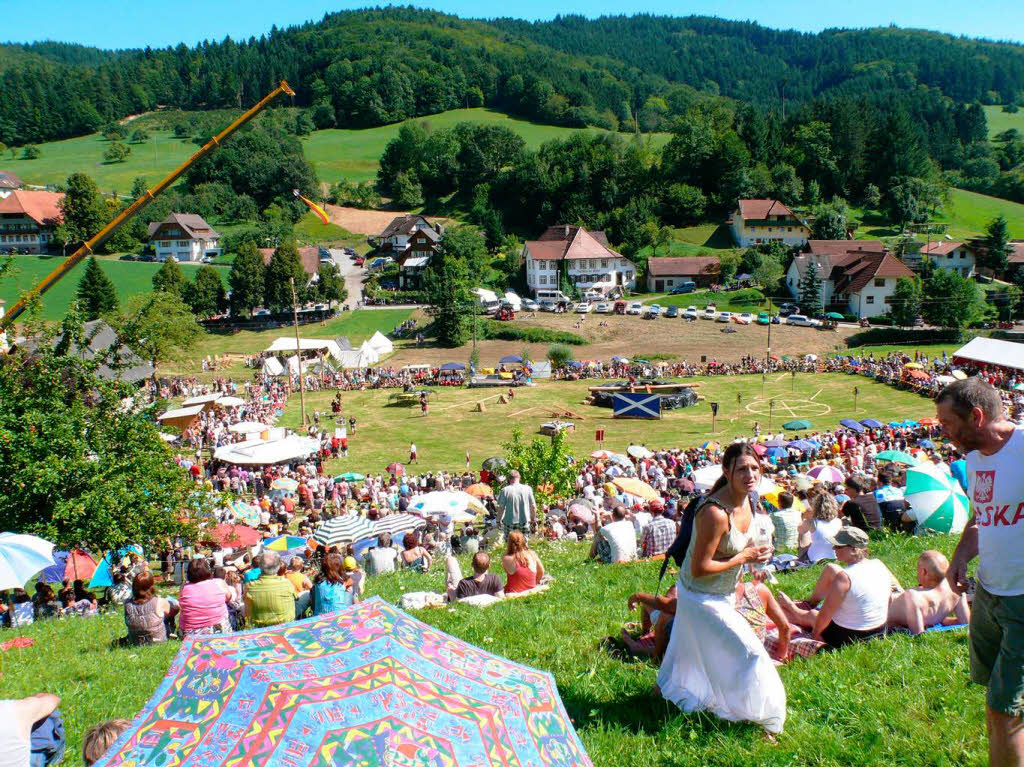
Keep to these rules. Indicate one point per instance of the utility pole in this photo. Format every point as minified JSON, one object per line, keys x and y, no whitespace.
{"x":298,"y":352}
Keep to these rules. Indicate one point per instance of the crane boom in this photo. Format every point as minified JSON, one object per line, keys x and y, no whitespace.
{"x":90,"y":245}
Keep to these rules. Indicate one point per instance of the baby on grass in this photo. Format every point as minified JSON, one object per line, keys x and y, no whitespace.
{"x":933,"y":602}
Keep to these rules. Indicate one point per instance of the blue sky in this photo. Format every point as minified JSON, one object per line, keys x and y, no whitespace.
{"x":136,"y":23}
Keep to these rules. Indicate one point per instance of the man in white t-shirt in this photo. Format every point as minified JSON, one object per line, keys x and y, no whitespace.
{"x":971,"y":413}
{"x":616,"y":541}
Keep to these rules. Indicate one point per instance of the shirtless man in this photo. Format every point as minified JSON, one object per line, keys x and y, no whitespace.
{"x":933,"y":601}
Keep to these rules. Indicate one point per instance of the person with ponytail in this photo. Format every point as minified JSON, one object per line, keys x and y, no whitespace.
{"x":714,"y":661}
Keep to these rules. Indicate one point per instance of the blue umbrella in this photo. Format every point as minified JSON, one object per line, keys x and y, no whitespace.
{"x":775,"y":443}
{"x":803,"y":445}
{"x":871,"y":423}
{"x":104,"y":575}
{"x":896,"y":424}
{"x":926,"y":443}
{"x":849,"y":423}
{"x":55,"y":572}
{"x":775,"y":452}
{"x":510,"y":359}
{"x":453,"y":366}
{"x":911,"y":424}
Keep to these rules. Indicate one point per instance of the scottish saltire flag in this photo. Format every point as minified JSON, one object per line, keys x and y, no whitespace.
{"x":636,"y":405}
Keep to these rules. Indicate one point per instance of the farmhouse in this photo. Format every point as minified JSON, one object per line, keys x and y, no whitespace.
{"x":758,"y":221}
{"x":421,"y":246}
{"x":8,"y":183}
{"x":948,"y":254}
{"x":184,"y":237}
{"x":396,"y":235}
{"x":309,"y":256}
{"x":587,"y":260}
{"x":667,"y":273}
{"x":28,"y":221}
{"x":1016,"y":258}
{"x":857,"y":277}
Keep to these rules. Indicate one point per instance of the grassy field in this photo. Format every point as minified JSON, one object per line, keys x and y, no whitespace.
{"x":748,"y":300}
{"x":353,"y":154}
{"x":966,"y":214}
{"x":999,"y":121}
{"x":901,"y":701}
{"x":453,"y":426}
{"x":129,"y":277}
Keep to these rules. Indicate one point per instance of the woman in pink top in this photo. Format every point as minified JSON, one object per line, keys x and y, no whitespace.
{"x":204,"y":601}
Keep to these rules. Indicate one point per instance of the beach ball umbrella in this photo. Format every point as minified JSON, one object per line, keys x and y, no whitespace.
{"x":367,"y":685}
{"x":796,"y":425}
{"x":827,"y":474}
{"x":936,"y":500}
{"x":709,"y":445}
{"x":480,"y":490}
{"x":397,"y":524}
{"x":397,"y":469}
{"x":245,"y":513}
{"x":345,"y":529}
{"x":285,"y":543}
{"x":21,"y":557}
{"x":896,"y":456}
{"x":287,"y":484}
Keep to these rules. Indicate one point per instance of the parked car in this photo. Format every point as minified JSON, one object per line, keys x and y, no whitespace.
{"x":635,"y":307}
{"x":690,"y":313}
{"x":787,"y":309}
{"x":583,"y":308}
{"x":763,"y":318}
{"x":801,"y":320}
{"x":654,"y":310}
{"x":547,"y":304}
{"x":724,"y":317}
{"x":776,"y":319}
{"x":620,"y":307}
{"x":672,"y":312}
{"x":603,"y":308}
{"x":687,"y":287}
{"x":710,"y":312}
{"x":743,"y":319}
{"x":529,"y":305}
{"x":261,"y":313}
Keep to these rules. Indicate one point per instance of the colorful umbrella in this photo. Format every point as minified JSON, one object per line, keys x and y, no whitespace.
{"x":796,"y":425}
{"x":104,"y":575}
{"x":760,"y":449}
{"x":582,"y":510}
{"x":927,"y":444}
{"x":397,"y":469}
{"x":480,"y":490}
{"x":21,"y":557}
{"x":285,"y":543}
{"x":709,"y":446}
{"x":936,"y":500}
{"x":80,"y":566}
{"x":344,"y":529}
{"x":285,"y":483}
{"x":368,"y":685}
{"x":827,"y":474}
{"x":249,"y":515}
{"x":775,"y":452}
{"x":447,"y":503}
{"x":871,"y":423}
{"x":600,"y":455}
{"x":234,"y":536}
{"x":929,"y":421}
{"x":397,"y":524}
{"x":775,"y":443}
{"x":896,"y":456}
{"x":636,"y":487}
{"x":349,"y":476}
{"x":849,"y":423}
{"x":803,"y":445}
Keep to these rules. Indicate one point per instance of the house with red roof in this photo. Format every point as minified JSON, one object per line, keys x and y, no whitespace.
{"x":585,"y":257}
{"x":857,"y":276}
{"x":309,"y":257}
{"x":759,"y":220}
{"x":667,"y":273}
{"x":954,"y":255}
{"x":8,"y":183}
{"x":28,"y":221}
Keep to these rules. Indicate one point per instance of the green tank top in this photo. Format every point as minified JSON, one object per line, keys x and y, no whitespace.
{"x":723,"y":583}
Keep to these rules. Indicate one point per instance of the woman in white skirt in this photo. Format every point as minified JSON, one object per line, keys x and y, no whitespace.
{"x":714,"y":661}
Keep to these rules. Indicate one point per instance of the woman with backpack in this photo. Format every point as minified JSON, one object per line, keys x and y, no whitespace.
{"x":714,"y":661}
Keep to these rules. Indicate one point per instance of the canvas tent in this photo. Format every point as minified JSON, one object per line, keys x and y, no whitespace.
{"x":381,"y":344}
{"x":361,"y":358}
{"x":319,"y":345}
{"x":272,"y":367}
{"x":992,"y":351}
{"x":261,"y":452}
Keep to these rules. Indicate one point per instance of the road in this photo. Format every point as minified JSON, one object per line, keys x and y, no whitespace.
{"x":353,"y":275}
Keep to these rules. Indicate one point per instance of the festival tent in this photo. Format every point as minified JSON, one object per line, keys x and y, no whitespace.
{"x":367,"y":685}
{"x":272,"y":367}
{"x":369,"y":352}
{"x":248,"y":427}
{"x":69,"y":566}
{"x":265,"y":452}
{"x":381,"y":343}
{"x":202,"y":399}
{"x":182,"y":417}
{"x":992,"y":351}
{"x":453,"y":366}
{"x":357,"y":359}
{"x":319,"y":345}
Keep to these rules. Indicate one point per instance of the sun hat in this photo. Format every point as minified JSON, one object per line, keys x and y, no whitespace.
{"x":853,"y":537}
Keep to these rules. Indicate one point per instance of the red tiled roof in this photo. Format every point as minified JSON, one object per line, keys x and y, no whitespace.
{"x":309,"y":256}
{"x":872,"y":265}
{"x":565,"y":233}
{"x":548,"y":250}
{"x":761,"y":209}
{"x":570,"y":243}
{"x":835,"y":247}
{"x":940,"y":248}
{"x":41,"y":207}
{"x":684,"y":267}
{"x":9,"y":181}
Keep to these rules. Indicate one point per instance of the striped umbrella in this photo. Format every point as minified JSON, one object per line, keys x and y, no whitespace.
{"x":285,"y":543}
{"x":244,"y":513}
{"x":397,"y":524}
{"x":344,"y":529}
{"x":936,"y":500}
{"x":827,"y":474}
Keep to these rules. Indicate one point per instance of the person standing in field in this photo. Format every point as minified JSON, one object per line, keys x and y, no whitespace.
{"x":972,"y":416}
{"x":518,"y":506}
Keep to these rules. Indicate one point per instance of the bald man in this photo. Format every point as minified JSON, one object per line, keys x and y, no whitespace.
{"x":933,"y":602}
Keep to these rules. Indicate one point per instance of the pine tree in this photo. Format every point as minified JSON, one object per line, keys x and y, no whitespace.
{"x":284,"y":266}
{"x":810,"y":290}
{"x":246,"y":279}
{"x":169,"y":278}
{"x":997,"y":249}
{"x":96,"y":293}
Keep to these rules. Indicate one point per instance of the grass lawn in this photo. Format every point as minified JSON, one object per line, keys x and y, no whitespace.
{"x":354,"y":154}
{"x":453,"y":426}
{"x":901,"y":701}
{"x":129,"y":277}
{"x":59,"y":159}
{"x":999,"y":121}
{"x":747,"y":300}
{"x":967,"y":214}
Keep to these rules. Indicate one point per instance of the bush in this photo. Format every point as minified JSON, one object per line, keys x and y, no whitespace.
{"x":903,"y":336}
{"x":745,"y":298}
{"x":504,"y":331}
{"x":559,"y":355}
{"x":881,"y":319}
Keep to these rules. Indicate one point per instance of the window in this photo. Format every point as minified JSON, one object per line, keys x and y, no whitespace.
{"x":879,"y":282}
{"x":543,"y":279}
{"x":870,"y":300}
{"x":963,"y":254}
{"x":789,"y":229}
{"x":604,"y":263}
{"x":183,"y":243}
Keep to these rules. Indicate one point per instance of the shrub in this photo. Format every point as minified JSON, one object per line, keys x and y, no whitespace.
{"x":903,"y":336}
{"x":504,"y":331}
{"x":559,"y":355}
{"x":881,"y":319}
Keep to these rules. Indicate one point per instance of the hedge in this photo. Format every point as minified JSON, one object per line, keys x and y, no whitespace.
{"x":504,"y":331}
{"x":904,"y":336}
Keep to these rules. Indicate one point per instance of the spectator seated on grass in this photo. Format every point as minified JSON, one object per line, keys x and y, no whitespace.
{"x":659,"y":533}
{"x":270,"y":599}
{"x":482,"y":581}
{"x":100,"y":738}
{"x":522,"y":566}
{"x":331,"y":593}
{"x":786,"y":522}
{"x":354,"y":577}
{"x":382,"y":557}
{"x":414,"y":557}
{"x":854,"y":600}
{"x":616,"y":541}
{"x":204,"y":601}
{"x":146,"y":615}
{"x":45,"y":602}
{"x":862,"y":509}
{"x":821,"y":522}
{"x":302,"y":586}
{"x":933,"y":602}
{"x":77,"y":600}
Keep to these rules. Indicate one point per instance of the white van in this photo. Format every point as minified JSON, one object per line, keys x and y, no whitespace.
{"x":556,"y":296}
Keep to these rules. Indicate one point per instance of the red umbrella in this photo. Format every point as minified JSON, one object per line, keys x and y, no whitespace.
{"x":760,"y":449}
{"x":80,"y":566}
{"x":234,"y":536}
{"x":397,"y":469}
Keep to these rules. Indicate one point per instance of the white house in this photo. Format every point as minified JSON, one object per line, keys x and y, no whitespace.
{"x":759,"y":221}
{"x":949,"y":254}
{"x":586,"y":257}
{"x":184,"y":237}
{"x":857,"y":277}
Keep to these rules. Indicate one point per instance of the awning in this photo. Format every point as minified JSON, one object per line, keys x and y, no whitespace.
{"x":203,"y":399}
{"x":182,"y":417}
{"x":992,"y":351}
{"x":264,"y":452}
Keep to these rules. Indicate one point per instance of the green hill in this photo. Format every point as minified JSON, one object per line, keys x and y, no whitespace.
{"x":999,"y":121}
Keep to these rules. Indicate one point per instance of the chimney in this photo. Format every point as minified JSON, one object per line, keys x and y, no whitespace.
{"x":566,"y":232}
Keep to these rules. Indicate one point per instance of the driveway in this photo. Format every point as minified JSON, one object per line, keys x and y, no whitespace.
{"x":353,"y":275}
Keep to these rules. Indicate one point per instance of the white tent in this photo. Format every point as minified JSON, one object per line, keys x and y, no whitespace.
{"x":203,"y":399}
{"x":272,"y":367}
{"x":381,"y":344}
{"x":285,"y":344}
{"x":262,"y":452}
{"x":513,"y":300}
{"x":359,"y":358}
{"x":992,"y":351}
{"x":485,"y":295}
{"x":369,"y":353}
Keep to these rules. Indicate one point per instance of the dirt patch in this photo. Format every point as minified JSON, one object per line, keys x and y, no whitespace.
{"x":368,"y":222}
{"x":630,"y":336}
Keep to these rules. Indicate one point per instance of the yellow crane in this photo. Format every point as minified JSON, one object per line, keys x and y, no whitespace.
{"x":94,"y":242}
